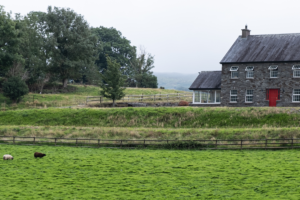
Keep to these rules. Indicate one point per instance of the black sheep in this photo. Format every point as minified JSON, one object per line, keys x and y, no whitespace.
{"x":39,"y":155}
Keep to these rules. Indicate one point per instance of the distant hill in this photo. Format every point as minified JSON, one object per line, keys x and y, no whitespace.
{"x":175,"y":81}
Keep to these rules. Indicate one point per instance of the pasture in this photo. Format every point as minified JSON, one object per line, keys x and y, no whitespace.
{"x":81,"y":173}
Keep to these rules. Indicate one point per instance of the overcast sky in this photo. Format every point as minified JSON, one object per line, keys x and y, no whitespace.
{"x":186,"y":36}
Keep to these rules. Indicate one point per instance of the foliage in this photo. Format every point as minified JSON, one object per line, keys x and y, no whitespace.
{"x":72,"y":44}
{"x":113,"y":81}
{"x":141,"y":75}
{"x":14,"y":88}
{"x":84,"y":173}
{"x":114,"y":45}
{"x":179,"y":117}
{"x":9,"y":42}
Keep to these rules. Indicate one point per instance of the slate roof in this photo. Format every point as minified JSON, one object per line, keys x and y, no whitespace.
{"x":207,"y":80}
{"x":264,"y":48}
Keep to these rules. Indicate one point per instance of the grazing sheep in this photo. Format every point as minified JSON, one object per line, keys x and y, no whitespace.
{"x":39,"y":155}
{"x":7,"y":157}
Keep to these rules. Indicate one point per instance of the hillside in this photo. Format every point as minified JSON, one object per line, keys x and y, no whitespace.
{"x":175,"y":81}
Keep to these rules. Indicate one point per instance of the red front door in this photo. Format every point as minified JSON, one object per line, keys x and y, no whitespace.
{"x":273,"y":95}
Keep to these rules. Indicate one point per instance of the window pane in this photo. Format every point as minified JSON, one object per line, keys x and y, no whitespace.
{"x":211,"y":98}
{"x":233,"y":92}
{"x":234,"y":74}
{"x":249,"y":68}
{"x":233,"y":98}
{"x":249,"y":92}
{"x":217,"y":96}
{"x":296,"y":97}
{"x":197,"y":96}
{"x":296,"y":73}
{"x":203,"y":97}
{"x":274,"y":74}
{"x":249,"y":98}
{"x":296,"y":91}
{"x":234,"y":68}
{"x":249,"y":74}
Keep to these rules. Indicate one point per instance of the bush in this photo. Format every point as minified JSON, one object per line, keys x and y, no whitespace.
{"x":14,"y":88}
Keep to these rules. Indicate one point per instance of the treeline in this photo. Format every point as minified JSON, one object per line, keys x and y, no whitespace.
{"x":59,"y":45}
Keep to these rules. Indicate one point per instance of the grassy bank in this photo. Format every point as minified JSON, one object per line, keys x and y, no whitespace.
{"x":82,"y":173}
{"x":75,"y":95}
{"x":128,"y":133}
{"x":171,"y":117}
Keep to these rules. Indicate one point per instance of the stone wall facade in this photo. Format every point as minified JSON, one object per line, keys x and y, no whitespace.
{"x":259,"y":84}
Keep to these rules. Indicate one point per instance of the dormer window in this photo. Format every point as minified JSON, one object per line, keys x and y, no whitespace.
{"x":249,"y":72}
{"x":234,"y":72}
{"x":296,"y":71}
{"x":273,"y":71}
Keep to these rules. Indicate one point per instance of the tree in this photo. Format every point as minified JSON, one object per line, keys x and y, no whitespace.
{"x":113,"y":81}
{"x":141,"y":66}
{"x":14,"y":88}
{"x":9,"y":42}
{"x":72,"y":44}
{"x":114,"y":45}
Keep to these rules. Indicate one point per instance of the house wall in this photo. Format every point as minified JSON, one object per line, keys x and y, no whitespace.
{"x":259,"y":84}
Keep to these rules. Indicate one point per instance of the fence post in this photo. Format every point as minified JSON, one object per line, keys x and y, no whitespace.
{"x":167,"y":97}
{"x":216,"y":144}
{"x":142,"y":97}
{"x":292,"y":143}
{"x":121,"y":144}
{"x":55,"y":141}
{"x":98,"y":143}
{"x":144,"y":143}
{"x":33,"y":140}
{"x":86,"y":100}
{"x":14,"y":139}
{"x":76,"y":142}
{"x":241,"y":144}
{"x":154,"y":98}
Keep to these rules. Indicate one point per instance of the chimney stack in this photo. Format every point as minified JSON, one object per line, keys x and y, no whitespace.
{"x":245,"y":32}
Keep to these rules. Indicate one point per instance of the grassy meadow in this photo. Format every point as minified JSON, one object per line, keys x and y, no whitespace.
{"x":72,"y":96}
{"x":82,"y":173}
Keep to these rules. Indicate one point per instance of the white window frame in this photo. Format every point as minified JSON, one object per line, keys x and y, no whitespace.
{"x":249,"y":95}
{"x":296,"y":71}
{"x":233,"y":95}
{"x":201,"y":97}
{"x":273,"y":68}
{"x":294,"y":95}
{"x":234,"y":70}
{"x":249,"y":72}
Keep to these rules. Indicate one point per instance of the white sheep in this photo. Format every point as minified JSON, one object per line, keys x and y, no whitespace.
{"x":7,"y":157}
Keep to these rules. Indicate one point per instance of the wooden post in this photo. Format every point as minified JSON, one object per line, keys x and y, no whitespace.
{"x":128,"y":98}
{"x":32,"y":98}
{"x":98,"y":143}
{"x":154,"y":98}
{"x":55,"y":141}
{"x":121,"y":143}
{"x":241,"y":144}
{"x":14,"y":139}
{"x":76,"y":142}
{"x":33,"y":140}
{"x":144,"y":143}
{"x":167,"y":97}
{"x":292,"y":142}
{"x":266,"y":144}
{"x":216,"y":144}
{"x":100,"y":100}
{"x":142,"y":97}
{"x":86,"y":100}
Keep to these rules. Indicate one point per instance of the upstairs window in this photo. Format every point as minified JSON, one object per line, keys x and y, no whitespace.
{"x":296,"y":71}
{"x":234,"y":72}
{"x":249,"y":72}
{"x":296,"y":95}
{"x":249,"y":96}
{"x":233,"y":96}
{"x":273,"y":71}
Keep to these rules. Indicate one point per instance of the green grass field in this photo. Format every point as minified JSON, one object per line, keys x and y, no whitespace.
{"x":81,"y":173}
{"x":77,"y":95}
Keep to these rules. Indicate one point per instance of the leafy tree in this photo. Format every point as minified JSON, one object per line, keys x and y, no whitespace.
{"x":72,"y":45}
{"x":141,"y":66}
{"x":9,"y":42}
{"x":114,"y":45}
{"x":113,"y":81}
{"x":14,"y":88}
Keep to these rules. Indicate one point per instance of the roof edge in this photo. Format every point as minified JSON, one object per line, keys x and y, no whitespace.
{"x":204,"y":88}
{"x":260,"y":62}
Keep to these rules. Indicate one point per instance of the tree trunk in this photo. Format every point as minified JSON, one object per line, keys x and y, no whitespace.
{"x":65,"y":83}
{"x":113,"y":103}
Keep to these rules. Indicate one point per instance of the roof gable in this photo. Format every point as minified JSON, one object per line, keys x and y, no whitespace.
{"x":207,"y":80}
{"x":264,"y":48}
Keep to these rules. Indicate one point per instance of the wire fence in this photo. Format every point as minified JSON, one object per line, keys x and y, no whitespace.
{"x":166,"y":144}
{"x":172,"y":97}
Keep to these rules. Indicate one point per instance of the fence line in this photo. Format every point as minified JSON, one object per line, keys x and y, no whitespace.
{"x":171,"y":97}
{"x":173,"y":144}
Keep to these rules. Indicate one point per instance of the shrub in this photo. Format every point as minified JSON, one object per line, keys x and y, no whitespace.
{"x":14,"y":88}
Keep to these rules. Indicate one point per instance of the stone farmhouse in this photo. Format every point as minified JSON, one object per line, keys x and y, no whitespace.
{"x":258,"y":70}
